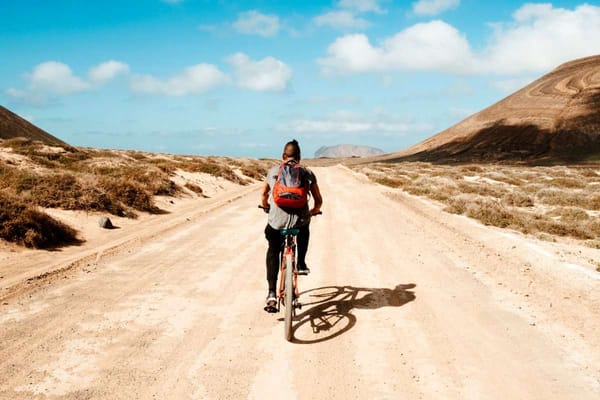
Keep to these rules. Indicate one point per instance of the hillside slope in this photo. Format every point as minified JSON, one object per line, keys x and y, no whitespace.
{"x":12,"y":126}
{"x":557,"y":117}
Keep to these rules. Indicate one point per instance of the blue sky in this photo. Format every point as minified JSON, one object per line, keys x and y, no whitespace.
{"x":241,"y":78}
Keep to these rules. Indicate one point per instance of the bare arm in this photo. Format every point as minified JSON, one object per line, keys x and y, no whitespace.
{"x":316,"y":193}
{"x":265,"y":195}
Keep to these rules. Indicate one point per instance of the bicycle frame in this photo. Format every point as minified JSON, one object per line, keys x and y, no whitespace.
{"x":288,"y":250}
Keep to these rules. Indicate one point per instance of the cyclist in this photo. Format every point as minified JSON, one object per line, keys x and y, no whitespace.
{"x":287,"y":218}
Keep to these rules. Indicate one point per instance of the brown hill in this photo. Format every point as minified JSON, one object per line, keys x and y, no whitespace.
{"x":12,"y":126}
{"x":555,"y":118}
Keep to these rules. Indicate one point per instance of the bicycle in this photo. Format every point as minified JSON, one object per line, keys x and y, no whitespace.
{"x":288,"y":279}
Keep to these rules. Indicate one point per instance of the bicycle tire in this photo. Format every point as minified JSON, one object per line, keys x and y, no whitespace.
{"x":289,"y":296}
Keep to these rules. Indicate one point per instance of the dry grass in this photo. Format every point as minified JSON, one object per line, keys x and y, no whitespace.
{"x":115,"y":181}
{"x":518,"y":199}
{"x":23,"y":224}
{"x":194,"y":188}
{"x":546,"y":201}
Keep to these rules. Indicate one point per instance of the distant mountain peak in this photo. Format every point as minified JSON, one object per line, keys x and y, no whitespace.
{"x":347,"y":150}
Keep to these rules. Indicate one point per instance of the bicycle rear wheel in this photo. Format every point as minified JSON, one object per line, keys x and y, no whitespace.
{"x":289,"y":296}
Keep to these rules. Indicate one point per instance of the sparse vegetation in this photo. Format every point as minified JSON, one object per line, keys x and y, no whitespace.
{"x":23,"y":224}
{"x":546,"y":201}
{"x":115,"y":181}
{"x":194,"y":188}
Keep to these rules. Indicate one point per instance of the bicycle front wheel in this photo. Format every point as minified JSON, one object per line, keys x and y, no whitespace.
{"x":289,"y":296}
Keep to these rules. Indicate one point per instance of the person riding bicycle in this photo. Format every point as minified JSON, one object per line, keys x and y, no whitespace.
{"x":287,"y":218}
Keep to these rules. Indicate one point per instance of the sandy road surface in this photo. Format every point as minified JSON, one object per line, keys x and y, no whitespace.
{"x":403,"y":302}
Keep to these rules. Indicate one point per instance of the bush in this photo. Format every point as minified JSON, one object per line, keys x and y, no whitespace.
{"x":517,"y":199}
{"x":131,"y":194}
{"x":254,"y":171}
{"x":491,"y":212}
{"x":24,"y":225}
{"x":194,"y":188}
{"x":557,"y":197}
{"x":391,"y":182}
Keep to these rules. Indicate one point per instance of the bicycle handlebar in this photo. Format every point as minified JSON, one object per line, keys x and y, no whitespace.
{"x":266,"y":208}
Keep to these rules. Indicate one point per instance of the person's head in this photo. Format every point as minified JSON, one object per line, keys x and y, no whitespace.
{"x":291,"y":151}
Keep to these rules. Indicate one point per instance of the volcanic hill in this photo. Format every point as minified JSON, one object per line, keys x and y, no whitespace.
{"x":554,"y":119}
{"x":12,"y":126}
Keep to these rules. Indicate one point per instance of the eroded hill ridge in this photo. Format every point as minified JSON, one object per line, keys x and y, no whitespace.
{"x":556,"y":117}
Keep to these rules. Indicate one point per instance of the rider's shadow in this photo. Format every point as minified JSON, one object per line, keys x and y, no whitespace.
{"x":328,"y":310}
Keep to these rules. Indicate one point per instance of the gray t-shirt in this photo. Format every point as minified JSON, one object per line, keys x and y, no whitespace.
{"x":288,"y":218}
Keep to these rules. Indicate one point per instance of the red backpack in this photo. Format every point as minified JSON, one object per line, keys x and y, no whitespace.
{"x":291,"y":186}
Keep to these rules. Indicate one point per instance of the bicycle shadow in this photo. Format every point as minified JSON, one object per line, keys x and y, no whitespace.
{"x":329,"y":308}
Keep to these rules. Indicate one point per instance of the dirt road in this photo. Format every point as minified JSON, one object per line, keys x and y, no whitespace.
{"x":404,"y":301}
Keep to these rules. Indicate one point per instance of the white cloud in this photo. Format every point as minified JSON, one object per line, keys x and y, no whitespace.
{"x":433,"y":45}
{"x":268,"y":74}
{"x":434,"y":7}
{"x":193,"y":80}
{"x":53,"y":78}
{"x":538,"y":38}
{"x":362,"y":5}
{"x":255,"y":23}
{"x":56,"y":78}
{"x":342,"y":19}
{"x":107,"y":71}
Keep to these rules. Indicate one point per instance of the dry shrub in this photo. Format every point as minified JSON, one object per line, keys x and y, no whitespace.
{"x":557,"y":197}
{"x":447,"y":173}
{"x":194,"y":188}
{"x":491,"y":212}
{"x":588,"y":172}
{"x":391,"y":182}
{"x":471,"y":168}
{"x":69,"y":157}
{"x":166,"y":166}
{"x":457,"y":205}
{"x":421,"y":186}
{"x":517,"y":199}
{"x":24,"y":225}
{"x":566,"y":228}
{"x":532,"y":188}
{"x":482,"y":189}
{"x":569,"y":214}
{"x":137,"y":155}
{"x":502,"y":206}
{"x":212,"y":167}
{"x":21,"y":145}
{"x":443,"y":192}
{"x":151,"y":178}
{"x":592,"y":202}
{"x":419,"y":190}
{"x":254,"y":171}
{"x":131,"y":194}
{"x":503,"y":177}
{"x":565,"y":182}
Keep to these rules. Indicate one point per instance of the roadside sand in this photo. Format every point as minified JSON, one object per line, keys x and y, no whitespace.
{"x":404,"y":302}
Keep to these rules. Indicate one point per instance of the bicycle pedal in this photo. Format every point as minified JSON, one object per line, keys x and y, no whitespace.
{"x":271,"y":309}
